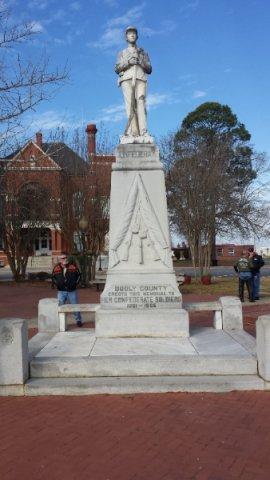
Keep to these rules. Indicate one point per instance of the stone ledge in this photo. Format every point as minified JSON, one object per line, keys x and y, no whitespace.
{"x":11,"y":390}
{"x":37,"y":343}
{"x":131,"y":385}
{"x":155,"y":365}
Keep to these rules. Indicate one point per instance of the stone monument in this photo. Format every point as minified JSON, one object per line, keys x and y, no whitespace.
{"x":141,"y":297}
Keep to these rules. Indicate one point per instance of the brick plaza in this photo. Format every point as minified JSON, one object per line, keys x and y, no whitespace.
{"x":183,"y":436}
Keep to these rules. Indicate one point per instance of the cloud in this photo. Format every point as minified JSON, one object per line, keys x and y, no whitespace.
{"x":40,"y":4}
{"x":112,"y":37}
{"x":166,"y":26}
{"x":186,"y":77}
{"x":189,"y":5}
{"x":112,"y":113}
{"x":117,"y":112}
{"x":75,"y":6}
{"x":58,"y":16}
{"x":67,"y":40}
{"x":155,"y":99}
{"x":114,"y":28}
{"x":111,"y":3}
{"x":50,"y":120}
{"x":133,"y":14}
{"x":199,"y":94}
{"x":36,"y":27}
{"x":186,"y":80}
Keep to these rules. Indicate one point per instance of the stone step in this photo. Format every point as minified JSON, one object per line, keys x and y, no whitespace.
{"x":132,"y":385}
{"x":142,"y":365}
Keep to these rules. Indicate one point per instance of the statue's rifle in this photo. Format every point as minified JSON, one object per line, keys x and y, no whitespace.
{"x":133,"y":106}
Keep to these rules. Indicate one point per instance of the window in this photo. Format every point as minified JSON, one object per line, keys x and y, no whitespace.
{"x":78,"y":204}
{"x":32,"y":160}
{"x":33,"y":201}
{"x":231,"y":252}
{"x":44,"y":242}
{"x":77,"y":238}
{"x":219,"y":251}
{"x":1,"y":244}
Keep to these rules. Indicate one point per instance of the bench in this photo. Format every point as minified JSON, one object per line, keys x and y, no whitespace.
{"x":97,"y":282}
{"x":207,"y":307}
{"x":100,"y":279}
{"x":78,"y":307}
{"x":228,"y":312}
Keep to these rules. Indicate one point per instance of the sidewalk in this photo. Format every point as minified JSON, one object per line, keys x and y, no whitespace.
{"x":142,"y":437}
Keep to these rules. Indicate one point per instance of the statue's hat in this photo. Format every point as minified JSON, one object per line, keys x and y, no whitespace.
{"x":131,"y":27}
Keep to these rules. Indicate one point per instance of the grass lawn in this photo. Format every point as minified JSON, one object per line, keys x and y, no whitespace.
{"x":222,"y":286}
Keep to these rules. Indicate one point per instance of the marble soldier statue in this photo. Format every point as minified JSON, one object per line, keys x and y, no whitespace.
{"x":133,"y":65}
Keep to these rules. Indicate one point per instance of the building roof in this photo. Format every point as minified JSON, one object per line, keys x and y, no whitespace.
{"x":66,"y":158}
{"x":60,"y":153}
{"x":11,"y":155}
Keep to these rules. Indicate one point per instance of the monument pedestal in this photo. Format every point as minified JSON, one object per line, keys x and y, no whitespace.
{"x":141,"y":297}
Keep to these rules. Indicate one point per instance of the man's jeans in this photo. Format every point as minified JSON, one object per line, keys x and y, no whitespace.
{"x":69,"y":297}
{"x":245,"y":278}
{"x":256,"y":284}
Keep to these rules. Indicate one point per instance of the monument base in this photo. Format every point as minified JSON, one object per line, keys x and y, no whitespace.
{"x":140,"y":139}
{"x":160,"y":323}
{"x":141,"y":296}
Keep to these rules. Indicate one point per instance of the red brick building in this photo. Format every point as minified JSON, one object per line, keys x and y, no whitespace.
{"x":226,"y":253}
{"x":46,"y":165}
{"x":229,"y":252}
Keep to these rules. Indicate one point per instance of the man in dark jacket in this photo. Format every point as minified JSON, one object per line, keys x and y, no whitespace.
{"x":66,"y":277}
{"x":257,"y":263}
{"x":243,"y":268}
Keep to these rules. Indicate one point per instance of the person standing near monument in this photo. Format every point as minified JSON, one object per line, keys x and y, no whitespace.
{"x":257,"y":263}
{"x":243,"y":267}
{"x":66,"y":277}
{"x":133,"y":65}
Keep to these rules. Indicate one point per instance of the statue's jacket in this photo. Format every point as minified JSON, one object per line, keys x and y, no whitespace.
{"x":126,"y":71}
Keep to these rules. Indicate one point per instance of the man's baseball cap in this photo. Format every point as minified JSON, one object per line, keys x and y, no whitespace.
{"x":131,"y":28}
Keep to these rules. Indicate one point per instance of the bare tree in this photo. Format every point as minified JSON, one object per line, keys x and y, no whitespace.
{"x":24,"y":210}
{"x":76,"y":140}
{"x":24,"y":83}
{"x":84,"y":202}
{"x":204,"y":196}
{"x":84,"y":216}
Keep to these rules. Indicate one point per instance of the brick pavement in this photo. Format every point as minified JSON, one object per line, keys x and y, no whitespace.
{"x":22,"y":299}
{"x":143,"y":437}
{"x":183,"y":436}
